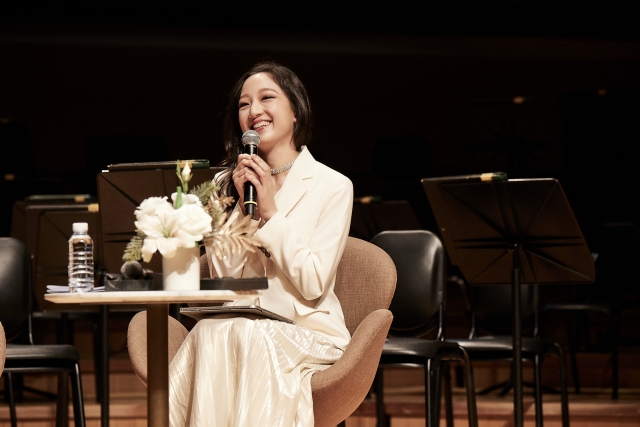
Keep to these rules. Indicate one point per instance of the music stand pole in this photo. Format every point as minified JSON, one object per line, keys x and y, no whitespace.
{"x":516,"y":370}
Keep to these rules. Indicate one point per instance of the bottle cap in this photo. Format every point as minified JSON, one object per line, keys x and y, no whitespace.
{"x":80,"y":227}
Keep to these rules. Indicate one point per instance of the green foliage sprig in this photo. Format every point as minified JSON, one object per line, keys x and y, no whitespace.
{"x":133,"y":251}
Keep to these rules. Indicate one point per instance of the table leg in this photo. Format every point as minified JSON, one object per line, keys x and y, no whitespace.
{"x":104,"y":365}
{"x":158,"y":365}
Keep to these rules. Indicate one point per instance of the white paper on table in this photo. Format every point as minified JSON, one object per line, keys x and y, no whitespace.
{"x":56,"y":289}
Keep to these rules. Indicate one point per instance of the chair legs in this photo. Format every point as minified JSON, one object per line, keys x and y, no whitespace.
{"x":578,"y":336}
{"x":429,"y":393}
{"x":470,"y":390}
{"x":70,"y":371}
{"x":8,"y":385}
{"x":448,"y":403}
{"x":537,"y":390}
{"x":434,"y":368}
{"x":62,"y":405}
{"x":76,"y":390}
{"x":382,"y":419}
{"x":469,"y":383}
{"x":564,"y":394}
{"x":615,"y":340}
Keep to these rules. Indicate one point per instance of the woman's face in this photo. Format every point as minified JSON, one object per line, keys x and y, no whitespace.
{"x":265,"y":108}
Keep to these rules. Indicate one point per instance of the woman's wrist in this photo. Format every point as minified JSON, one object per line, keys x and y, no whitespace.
{"x":267,"y":216}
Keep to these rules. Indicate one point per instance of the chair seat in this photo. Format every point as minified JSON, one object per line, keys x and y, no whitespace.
{"x":17,"y":352}
{"x":501,"y":346}
{"x":602,"y":308}
{"x":403,"y":350}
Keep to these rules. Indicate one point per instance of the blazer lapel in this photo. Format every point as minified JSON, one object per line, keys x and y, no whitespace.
{"x":297,"y":182}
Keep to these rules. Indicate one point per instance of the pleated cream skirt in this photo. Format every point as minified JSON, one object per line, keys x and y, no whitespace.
{"x":244,"y":373}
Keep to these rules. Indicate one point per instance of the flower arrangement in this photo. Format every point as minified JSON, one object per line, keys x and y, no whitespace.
{"x":192,"y":218}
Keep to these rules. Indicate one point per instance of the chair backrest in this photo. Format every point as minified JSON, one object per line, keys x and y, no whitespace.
{"x":15,"y":287}
{"x":492,"y":310}
{"x":418,"y":303}
{"x":365,"y":281}
{"x":618,"y":247}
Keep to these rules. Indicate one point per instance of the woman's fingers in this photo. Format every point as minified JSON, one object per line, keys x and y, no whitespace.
{"x":260,"y":166}
{"x":255,"y":170}
{"x":255,"y":180}
{"x":251,"y":166}
{"x":244,"y":165}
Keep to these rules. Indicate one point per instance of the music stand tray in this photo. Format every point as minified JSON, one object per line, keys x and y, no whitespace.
{"x":512,"y":232}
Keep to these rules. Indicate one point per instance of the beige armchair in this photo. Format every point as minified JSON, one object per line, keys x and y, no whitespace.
{"x":3,"y":348}
{"x":365,"y":284}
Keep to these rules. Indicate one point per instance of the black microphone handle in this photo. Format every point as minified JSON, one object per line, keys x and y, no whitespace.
{"x":250,"y":196}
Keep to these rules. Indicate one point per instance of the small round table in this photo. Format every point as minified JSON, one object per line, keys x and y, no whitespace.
{"x":157,"y":334}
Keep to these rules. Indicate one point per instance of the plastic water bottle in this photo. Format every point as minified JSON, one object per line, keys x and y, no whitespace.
{"x":80,"y":259}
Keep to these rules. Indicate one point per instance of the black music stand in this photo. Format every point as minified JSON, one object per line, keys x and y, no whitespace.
{"x":510,"y":232}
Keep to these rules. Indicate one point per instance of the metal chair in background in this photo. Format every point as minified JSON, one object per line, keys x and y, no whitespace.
{"x":22,"y":355}
{"x":491,"y":338}
{"x":418,"y":308}
{"x":614,"y":291}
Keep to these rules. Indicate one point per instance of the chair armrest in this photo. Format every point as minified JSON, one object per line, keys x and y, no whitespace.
{"x":3,"y":348}
{"x":341,"y":388}
{"x":137,"y":342}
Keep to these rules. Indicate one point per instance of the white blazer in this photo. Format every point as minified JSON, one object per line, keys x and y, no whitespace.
{"x":305,"y":240}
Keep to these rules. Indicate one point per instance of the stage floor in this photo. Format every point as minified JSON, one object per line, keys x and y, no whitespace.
{"x":593,"y":407}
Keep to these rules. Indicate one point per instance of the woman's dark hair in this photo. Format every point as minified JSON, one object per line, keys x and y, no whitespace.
{"x":231,"y":132}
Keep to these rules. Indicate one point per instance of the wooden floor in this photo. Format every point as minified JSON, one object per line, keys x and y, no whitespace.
{"x":589,"y":409}
{"x":403,"y":400}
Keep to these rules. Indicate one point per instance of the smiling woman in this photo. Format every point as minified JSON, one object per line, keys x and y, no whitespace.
{"x":252,"y":372}
{"x":265,"y":108}
{"x":267,"y":88}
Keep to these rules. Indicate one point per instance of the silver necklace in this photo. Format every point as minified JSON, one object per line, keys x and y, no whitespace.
{"x":282,"y":168}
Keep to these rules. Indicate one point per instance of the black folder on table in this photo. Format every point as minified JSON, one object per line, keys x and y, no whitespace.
{"x":226,"y":311}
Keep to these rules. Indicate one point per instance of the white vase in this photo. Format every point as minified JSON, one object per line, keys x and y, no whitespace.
{"x":182,"y":272}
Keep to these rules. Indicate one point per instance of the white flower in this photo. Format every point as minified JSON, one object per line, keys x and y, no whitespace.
{"x":163,"y":233}
{"x":194,"y":220}
{"x":150,"y":205}
{"x":187,"y":199}
{"x":167,"y":229}
{"x":186,"y":172}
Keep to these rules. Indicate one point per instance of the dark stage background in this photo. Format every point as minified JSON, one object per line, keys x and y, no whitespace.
{"x":534,"y":89}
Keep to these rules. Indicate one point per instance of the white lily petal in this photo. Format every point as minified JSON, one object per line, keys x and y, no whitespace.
{"x":148,"y":248}
{"x":150,"y":225}
{"x":167,"y":247}
{"x":187,"y":240}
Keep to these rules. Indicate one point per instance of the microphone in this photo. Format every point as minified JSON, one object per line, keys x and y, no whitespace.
{"x":250,"y":140}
